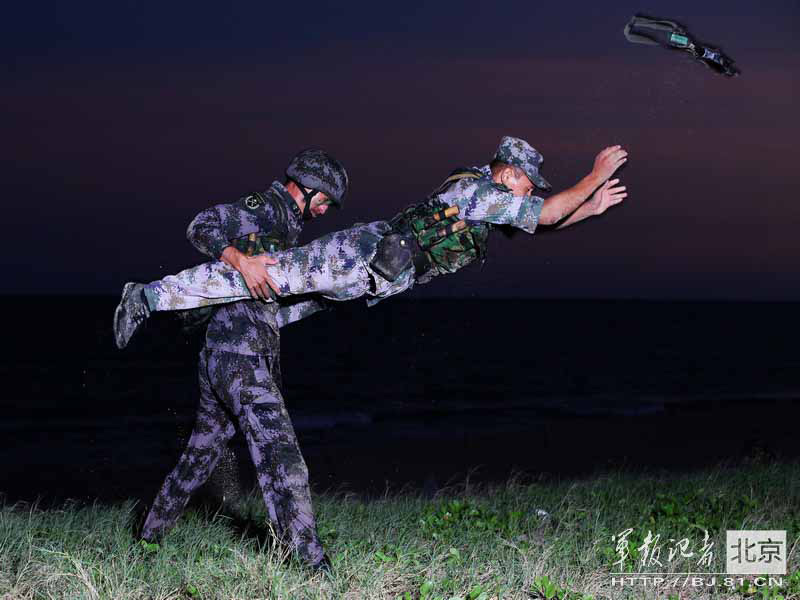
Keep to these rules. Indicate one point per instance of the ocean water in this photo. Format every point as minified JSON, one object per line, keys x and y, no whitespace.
{"x":82,"y":418}
{"x":404,"y":357}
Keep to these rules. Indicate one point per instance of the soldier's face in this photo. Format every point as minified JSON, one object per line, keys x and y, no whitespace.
{"x":519,"y":185}
{"x":319,"y":205}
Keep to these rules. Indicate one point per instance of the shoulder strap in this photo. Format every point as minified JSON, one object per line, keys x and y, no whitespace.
{"x":457,"y":175}
{"x":282,"y":213}
{"x":278,"y":205}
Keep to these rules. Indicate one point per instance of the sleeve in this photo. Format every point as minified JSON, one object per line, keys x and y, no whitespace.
{"x":212,"y":230}
{"x":288,"y":313}
{"x":492,"y":203}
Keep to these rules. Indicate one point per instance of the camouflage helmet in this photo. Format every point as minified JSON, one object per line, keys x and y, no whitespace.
{"x":316,"y":169}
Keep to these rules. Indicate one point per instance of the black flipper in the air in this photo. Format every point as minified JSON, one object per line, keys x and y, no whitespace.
{"x":669,"y":34}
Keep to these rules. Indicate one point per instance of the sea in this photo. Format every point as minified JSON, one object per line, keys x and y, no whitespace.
{"x":420,"y":393}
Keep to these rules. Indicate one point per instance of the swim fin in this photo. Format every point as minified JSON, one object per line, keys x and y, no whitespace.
{"x":669,"y":34}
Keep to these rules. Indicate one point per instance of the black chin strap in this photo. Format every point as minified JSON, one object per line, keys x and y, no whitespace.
{"x":307,"y":207}
{"x":307,"y":196}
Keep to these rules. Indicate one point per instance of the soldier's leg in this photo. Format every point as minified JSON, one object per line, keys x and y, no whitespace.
{"x":226,"y":485}
{"x":213,"y":428}
{"x":334,"y":265}
{"x":204,"y":285}
{"x":337,"y":266}
{"x":280,"y":468}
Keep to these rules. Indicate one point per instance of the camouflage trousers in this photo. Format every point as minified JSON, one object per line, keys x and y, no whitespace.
{"x":335,"y":265}
{"x":237,"y":389}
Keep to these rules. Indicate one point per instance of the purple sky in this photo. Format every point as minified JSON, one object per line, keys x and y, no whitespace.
{"x":120,"y":126}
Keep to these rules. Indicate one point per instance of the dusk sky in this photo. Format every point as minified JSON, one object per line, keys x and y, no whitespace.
{"x":123,"y":120}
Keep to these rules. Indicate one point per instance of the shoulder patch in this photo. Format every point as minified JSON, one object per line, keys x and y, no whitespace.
{"x":253,"y":201}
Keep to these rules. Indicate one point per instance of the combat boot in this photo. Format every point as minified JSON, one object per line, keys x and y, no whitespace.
{"x":323,"y":566}
{"x":130,"y":314}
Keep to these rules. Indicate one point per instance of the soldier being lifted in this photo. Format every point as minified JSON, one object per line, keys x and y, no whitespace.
{"x":440,"y":235}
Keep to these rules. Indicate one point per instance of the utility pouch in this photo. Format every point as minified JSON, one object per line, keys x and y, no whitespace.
{"x":258,"y":244}
{"x":394,"y":254}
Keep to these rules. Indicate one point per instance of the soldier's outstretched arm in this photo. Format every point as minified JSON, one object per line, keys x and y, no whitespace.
{"x":604,"y":197}
{"x":562,"y":205}
{"x":492,"y":204}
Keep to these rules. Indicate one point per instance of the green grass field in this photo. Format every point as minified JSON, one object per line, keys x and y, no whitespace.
{"x":466,"y":542}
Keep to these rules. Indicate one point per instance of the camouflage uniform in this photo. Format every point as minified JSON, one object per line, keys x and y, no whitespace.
{"x":337,"y":265}
{"x":240,"y":381}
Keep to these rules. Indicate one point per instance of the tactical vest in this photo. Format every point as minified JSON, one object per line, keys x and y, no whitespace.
{"x":455,"y":249}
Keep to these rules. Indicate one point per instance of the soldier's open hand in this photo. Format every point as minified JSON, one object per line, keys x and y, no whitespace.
{"x":254,"y":271}
{"x":609,"y":160}
{"x":607,"y":196}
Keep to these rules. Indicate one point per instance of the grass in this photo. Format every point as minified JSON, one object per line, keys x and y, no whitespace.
{"x":467,"y":542}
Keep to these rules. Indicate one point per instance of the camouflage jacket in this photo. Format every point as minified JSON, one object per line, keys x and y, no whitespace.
{"x":482,"y":202}
{"x":250,"y":327}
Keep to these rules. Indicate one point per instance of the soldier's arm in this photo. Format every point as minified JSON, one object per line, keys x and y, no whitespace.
{"x":605,"y":197}
{"x":560,"y":205}
{"x":584,"y":211}
{"x":493,"y":203}
{"x":211,"y":233}
{"x":212,"y":230}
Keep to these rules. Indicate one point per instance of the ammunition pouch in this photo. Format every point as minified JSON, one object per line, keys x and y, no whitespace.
{"x":258,"y":244}
{"x":429,"y":238}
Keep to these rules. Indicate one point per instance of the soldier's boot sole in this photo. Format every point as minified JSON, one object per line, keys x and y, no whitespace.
{"x":126,"y":322}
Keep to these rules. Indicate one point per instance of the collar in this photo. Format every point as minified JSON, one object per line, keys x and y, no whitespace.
{"x":277,"y":188}
{"x":486,"y":170}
